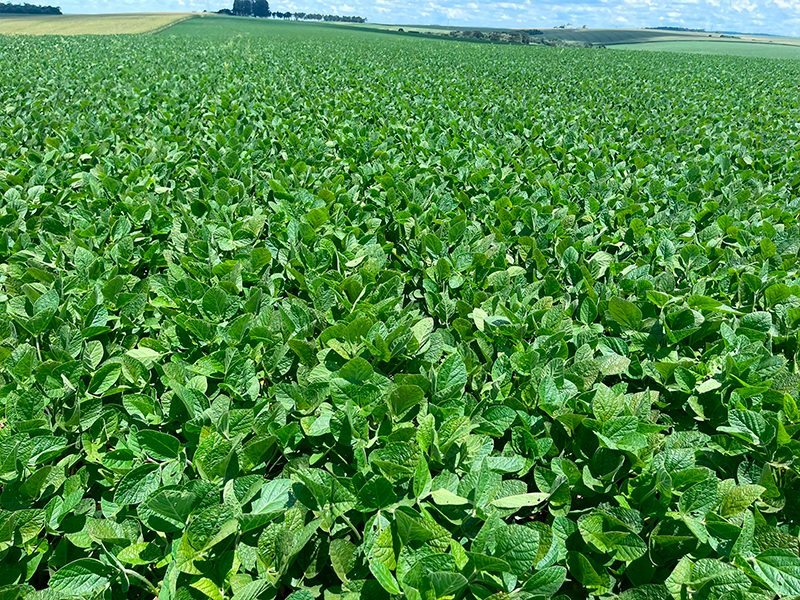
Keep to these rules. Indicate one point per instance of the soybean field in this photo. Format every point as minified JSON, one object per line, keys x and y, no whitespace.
{"x":298,"y":312}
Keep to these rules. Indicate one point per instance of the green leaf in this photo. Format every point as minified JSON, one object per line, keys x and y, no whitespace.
{"x":646,"y":592}
{"x":137,"y":485}
{"x":520,"y":500}
{"x":546,"y":582}
{"x":451,"y":378}
{"x":518,"y":546}
{"x":212,"y":456}
{"x":147,"y":356}
{"x":701,"y":498}
{"x":252,"y":590}
{"x":586,"y":572}
{"x":384,"y":576}
{"x":317,"y":217}
{"x":780,"y":570}
{"x":625,"y":313}
{"x":140,"y":554}
{"x":588,"y":311}
{"x":261,"y":257}
{"x":447,"y":498}
{"x":215,"y":302}
{"x":105,"y":377}
{"x":158,"y":445}
{"x":81,"y":578}
{"x":376,"y":494}
{"x":739,"y":498}
{"x":46,"y":302}
{"x":422,"y":479}
{"x":173,"y":504}
{"x":403,"y":398}
{"x":607,"y":403}
{"x":447,"y":584}
{"x":777,"y":293}
{"x":343,"y":557}
{"x":304,"y":350}
{"x":33,"y":484}
{"x":274,"y":496}
{"x":702,"y":302}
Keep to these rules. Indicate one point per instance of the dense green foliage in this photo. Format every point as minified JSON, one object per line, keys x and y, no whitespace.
{"x":341,"y":315}
{"x":748,"y":49}
{"x":28,"y":9}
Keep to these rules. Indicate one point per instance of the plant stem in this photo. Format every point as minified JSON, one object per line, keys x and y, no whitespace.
{"x":131,"y":573}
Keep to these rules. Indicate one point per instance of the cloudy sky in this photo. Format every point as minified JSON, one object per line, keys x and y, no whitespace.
{"x":747,"y":16}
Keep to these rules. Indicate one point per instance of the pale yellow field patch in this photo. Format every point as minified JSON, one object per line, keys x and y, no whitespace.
{"x":88,"y":24}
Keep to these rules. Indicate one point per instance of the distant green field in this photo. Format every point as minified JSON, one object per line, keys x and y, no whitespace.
{"x":223,"y":26}
{"x":748,"y":49}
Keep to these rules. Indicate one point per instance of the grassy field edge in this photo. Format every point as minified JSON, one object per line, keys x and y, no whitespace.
{"x":102,"y":24}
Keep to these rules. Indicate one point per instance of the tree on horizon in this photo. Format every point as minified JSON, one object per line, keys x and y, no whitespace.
{"x":243,"y":8}
{"x":261,"y":8}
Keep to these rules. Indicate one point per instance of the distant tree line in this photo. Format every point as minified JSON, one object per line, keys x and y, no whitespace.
{"x":513,"y":36}
{"x":503,"y":37}
{"x":301,"y":16}
{"x":28,"y":9}
{"x":250,"y":8}
{"x":260,"y":8}
{"x":677,"y":29}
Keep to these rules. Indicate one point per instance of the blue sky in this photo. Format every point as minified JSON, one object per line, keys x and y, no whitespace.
{"x":756,"y":16}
